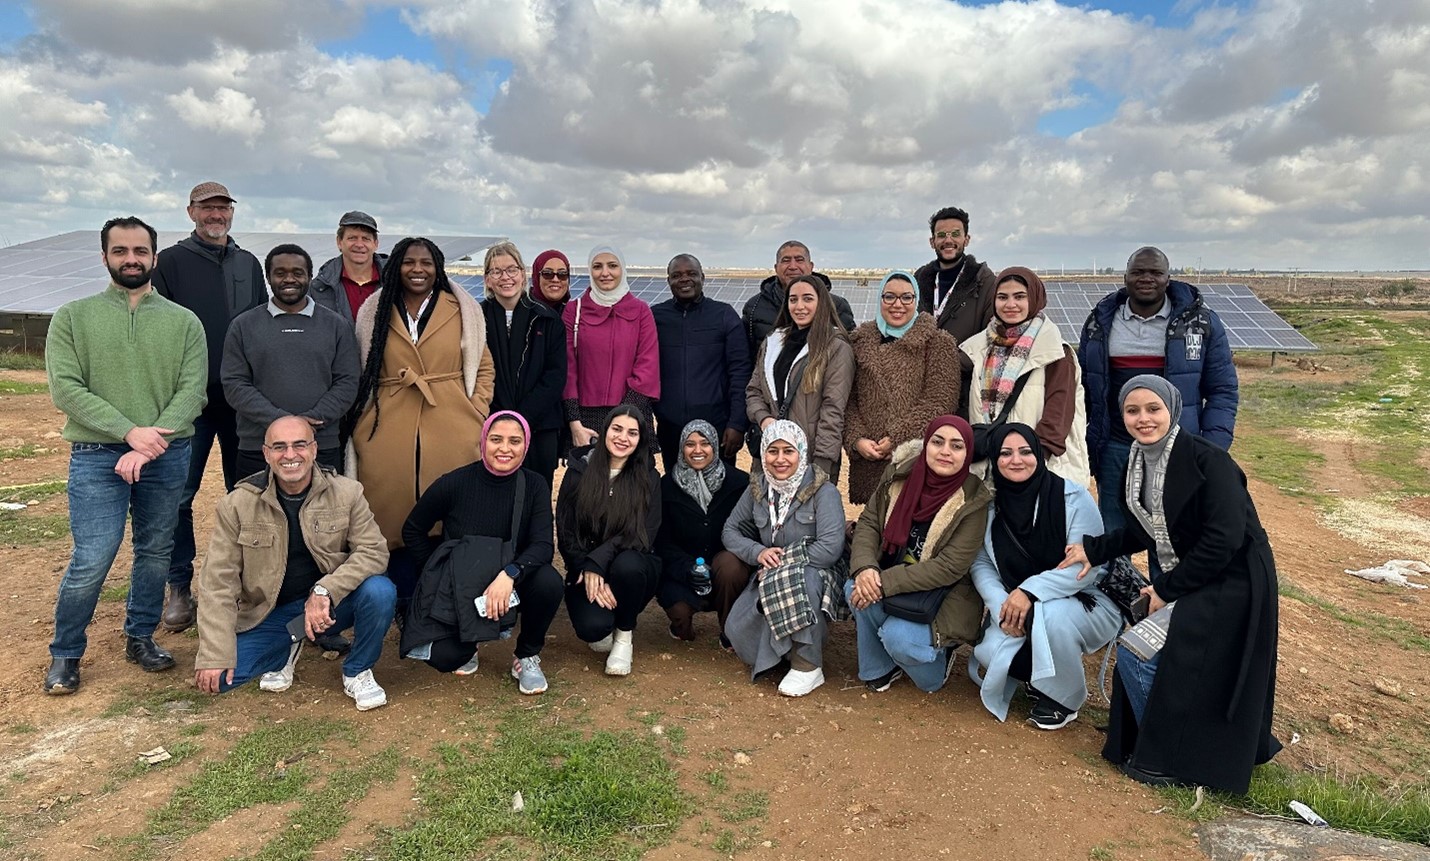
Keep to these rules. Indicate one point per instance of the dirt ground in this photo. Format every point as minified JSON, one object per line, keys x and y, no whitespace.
{"x":849,"y":775}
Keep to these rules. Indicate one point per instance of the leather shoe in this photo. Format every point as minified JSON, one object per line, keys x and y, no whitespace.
{"x":147,"y":654}
{"x":63,"y":677}
{"x":1149,"y":777}
{"x":179,"y":609}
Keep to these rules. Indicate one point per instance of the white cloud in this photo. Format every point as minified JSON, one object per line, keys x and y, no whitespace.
{"x":229,"y":112}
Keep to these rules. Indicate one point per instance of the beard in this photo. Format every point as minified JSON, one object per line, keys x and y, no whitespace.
{"x":130,"y":280}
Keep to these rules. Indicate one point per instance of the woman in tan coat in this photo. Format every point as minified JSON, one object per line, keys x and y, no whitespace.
{"x":425,"y":389}
{"x":907,"y":374}
{"x":803,"y":372}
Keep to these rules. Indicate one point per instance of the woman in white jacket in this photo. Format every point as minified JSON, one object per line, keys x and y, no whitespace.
{"x":1022,"y":346}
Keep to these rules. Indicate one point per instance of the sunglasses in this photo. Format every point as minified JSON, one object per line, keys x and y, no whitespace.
{"x":553,"y":275}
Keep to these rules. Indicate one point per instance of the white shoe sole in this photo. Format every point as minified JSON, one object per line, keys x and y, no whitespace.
{"x":277,"y":685}
{"x":1072,"y":716}
{"x":369,"y":706}
{"x":802,"y":691}
{"x":603,"y":645}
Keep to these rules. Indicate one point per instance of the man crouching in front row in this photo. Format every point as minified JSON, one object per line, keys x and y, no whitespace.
{"x":293,"y":545}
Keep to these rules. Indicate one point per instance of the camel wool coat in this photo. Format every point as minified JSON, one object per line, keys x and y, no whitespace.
{"x":899,"y":387}
{"x":435,"y":394}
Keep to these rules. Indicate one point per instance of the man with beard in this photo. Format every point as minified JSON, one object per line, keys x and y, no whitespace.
{"x":792,"y":260}
{"x":704,"y":363}
{"x":954,"y":287}
{"x":291,"y":357}
{"x":127,"y":367}
{"x":345,"y":282}
{"x":210,"y":275}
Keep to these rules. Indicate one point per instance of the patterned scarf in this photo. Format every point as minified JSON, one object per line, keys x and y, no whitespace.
{"x":700,"y":484}
{"x":1007,"y":356}
{"x":780,"y":492}
{"x":1147,"y":468}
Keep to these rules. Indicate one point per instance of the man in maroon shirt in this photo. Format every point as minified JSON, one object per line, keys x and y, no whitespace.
{"x":346,"y":281}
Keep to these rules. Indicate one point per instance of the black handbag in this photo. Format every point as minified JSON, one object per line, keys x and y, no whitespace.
{"x":1124,"y":584}
{"x":983,"y":430}
{"x":921,"y":607}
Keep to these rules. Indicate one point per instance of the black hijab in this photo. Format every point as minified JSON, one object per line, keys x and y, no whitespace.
{"x":1030,"y":519}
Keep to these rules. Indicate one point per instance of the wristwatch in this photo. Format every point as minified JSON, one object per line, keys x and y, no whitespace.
{"x":321,"y":590}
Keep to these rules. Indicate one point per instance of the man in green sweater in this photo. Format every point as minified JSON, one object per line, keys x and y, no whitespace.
{"x":128,"y":368}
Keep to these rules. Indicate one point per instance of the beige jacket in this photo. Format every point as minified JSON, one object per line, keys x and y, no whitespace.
{"x":819,"y":414}
{"x":238,"y":585}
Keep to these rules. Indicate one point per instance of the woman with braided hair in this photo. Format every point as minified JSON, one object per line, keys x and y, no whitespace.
{"x":425,"y":389}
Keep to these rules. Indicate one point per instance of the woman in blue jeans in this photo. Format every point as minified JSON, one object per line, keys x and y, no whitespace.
{"x":920,"y":532}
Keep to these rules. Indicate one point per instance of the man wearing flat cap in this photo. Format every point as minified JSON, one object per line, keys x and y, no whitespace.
{"x":210,"y":275}
{"x":345,"y":282}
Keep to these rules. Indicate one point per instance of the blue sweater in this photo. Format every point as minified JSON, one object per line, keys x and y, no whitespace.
{"x":1198,"y":363}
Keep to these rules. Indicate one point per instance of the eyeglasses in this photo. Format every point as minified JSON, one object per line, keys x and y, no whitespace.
{"x":506,"y":272}
{"x":299,"y":447}
{"x":948,"y":234}
{"x":212,"y":207}
{"x":553,"y":275}
{"x":901,"y":298}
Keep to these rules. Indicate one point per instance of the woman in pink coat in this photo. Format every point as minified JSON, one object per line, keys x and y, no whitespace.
{"x":612,"y":357}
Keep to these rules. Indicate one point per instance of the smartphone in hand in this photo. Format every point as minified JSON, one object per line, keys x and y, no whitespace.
{"x":1141,"y":607}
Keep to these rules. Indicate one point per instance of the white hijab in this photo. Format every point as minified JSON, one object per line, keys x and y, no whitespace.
{"x":607,"y":298}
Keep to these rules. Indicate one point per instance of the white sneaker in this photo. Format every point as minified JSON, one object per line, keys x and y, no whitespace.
{"x":603,"y":645}
{"x":282,"y":680}
{"x":797,"y":683}
{"x":365,"y":691}
{"x":468,"y":668}
{"x":618,"y":662}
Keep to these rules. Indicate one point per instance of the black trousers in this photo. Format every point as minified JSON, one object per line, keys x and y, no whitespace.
{"x":633,"y":578}
{"x":250,"y":461}
{"x":541,"y":455}
{"x":540,"y":593}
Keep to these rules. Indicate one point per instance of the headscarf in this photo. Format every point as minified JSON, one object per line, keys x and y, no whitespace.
{"x":505,"y":415}
{"x":1030,"y":523}
{"x":701,"y":484}
{"x":780,"y":492}
{"x":1010,"y":346}
{"x":926,"y":491}
{"x":1147,"y":467}
{"x":607,"y":298}
{"x":540,"y":263}
{"x":884,"y":328}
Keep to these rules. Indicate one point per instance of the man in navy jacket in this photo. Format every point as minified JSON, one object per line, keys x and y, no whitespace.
{"x":704,"y":362}
{"x":1154,"y":325}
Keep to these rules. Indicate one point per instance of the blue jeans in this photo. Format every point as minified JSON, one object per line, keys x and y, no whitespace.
{"x":217,"y":421}
{"x":885,"y":641}
{"x":1109,"y":482}
{"x":99,"y":503}
{"x":1137,"y":676}
{"x":367,"y":610}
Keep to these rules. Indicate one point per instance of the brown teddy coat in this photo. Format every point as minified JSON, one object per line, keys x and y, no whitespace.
{"x":435,"y":394}
{"x":899,"y":387}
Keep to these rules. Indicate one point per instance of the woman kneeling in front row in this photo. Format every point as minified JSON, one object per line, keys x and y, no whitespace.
{"x":790,"y":525}
{"x":607,"y":517}
{"x":1041,"y":618}
{"x":478,"y":499}
{"x":912,"y":599}
{"x":1199,"y":711}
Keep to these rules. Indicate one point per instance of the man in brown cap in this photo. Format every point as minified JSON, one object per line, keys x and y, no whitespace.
{"x":210,"y":275}
{"x":346,"y":281}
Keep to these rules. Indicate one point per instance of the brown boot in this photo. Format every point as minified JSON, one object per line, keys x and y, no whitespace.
{"x":179,"y":609}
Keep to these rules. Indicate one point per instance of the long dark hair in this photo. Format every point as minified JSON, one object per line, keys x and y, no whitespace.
{"x":607,"y":508}
{"x":824,"y":330}
{"x":387,"y":296}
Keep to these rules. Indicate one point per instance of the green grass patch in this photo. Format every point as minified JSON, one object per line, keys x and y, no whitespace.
{"x":15,"y":387}
{"x":114,"y":594}
{"x":37,"y":492}
{"x":745,"y":806}
{"x":21,"y":728}
{"x":268,"y":766}
{"x":717,"y":779}
{"x":604,"y":796}
{"x":132,"y":701}
{"x":1360,"y":804}
{"x":1279,"y":461}
{"x":24,"y":528}
{"x":16,"y":360}
{"x":1386,"y":628}
{"x":325,"y":812}
{"x":178,"y":753}
{"x":22,"y":452}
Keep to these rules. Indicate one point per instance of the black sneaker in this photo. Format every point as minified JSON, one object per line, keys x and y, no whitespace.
{"x":1047,"y":714}
{"x":884,"y":682}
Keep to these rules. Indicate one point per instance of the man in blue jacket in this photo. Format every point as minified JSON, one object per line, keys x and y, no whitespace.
{"x":1154,"y":325}
{"x":704,"y":362}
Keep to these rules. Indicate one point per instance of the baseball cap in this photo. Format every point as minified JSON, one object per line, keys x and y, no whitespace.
{"x":208,"y":191}
{"x":357,"y":218}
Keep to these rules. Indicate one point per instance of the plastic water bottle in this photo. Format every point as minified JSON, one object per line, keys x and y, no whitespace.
{"x":700,"y":577}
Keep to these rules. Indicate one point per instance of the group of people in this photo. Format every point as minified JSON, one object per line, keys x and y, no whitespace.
{"x":389,"y":445}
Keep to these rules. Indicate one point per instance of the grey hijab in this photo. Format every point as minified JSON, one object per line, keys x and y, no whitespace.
{"x":700,"y":484}
{"x":1147,"y":467}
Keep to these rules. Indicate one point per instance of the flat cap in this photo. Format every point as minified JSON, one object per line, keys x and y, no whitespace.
{"x":357,"y":218}
{"x":208,"y":191}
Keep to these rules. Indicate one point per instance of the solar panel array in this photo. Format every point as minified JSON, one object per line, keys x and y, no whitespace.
{"x":38,"y":277}
{"x":1250,"y":324}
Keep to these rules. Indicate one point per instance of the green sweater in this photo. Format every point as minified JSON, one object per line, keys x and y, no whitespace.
{"x":112,"y":369}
